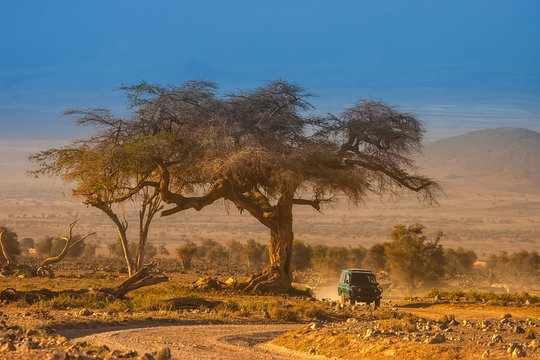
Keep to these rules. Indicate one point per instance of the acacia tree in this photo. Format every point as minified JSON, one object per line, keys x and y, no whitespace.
{"x":269,"y":151}
{"x":259,"y":149}
{"x":104,"y":170}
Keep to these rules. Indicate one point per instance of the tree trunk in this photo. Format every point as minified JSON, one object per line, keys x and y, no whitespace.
{"x":121,"y":227}
{"x":277,"y":277}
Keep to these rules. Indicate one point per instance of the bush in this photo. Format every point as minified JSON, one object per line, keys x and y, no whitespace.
{"x":185,"y":254}
{"x":459,"y":261}
{"x":301,"y":258}
{"x":412,"y":258}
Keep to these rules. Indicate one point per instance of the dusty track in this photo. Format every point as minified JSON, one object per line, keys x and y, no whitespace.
{"x":235,"y":342}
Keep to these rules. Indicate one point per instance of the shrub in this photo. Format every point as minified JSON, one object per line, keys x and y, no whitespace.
{"x":185,"y":254}
{"x":412,"y":258}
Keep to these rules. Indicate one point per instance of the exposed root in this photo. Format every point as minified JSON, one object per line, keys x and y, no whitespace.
{"x":268,"y":280}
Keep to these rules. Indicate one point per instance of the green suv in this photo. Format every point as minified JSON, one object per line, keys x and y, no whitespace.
{"x":359,"y":285}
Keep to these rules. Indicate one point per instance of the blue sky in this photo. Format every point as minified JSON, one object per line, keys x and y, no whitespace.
{"x":459,"y":65}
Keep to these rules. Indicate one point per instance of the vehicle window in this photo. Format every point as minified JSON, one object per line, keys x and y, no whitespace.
{"x":363,"y":279}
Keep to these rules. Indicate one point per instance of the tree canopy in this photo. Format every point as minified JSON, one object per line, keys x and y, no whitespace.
{"x":263,"y":149}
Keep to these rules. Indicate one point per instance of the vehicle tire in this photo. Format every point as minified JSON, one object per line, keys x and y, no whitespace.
{"x":352,"y":301}
{"x":377,"y":304}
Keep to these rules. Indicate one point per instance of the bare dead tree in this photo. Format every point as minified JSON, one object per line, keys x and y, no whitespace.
{"x":71,"y":242}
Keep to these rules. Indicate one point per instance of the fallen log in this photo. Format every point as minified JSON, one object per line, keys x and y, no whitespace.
{"x":144,"y":277}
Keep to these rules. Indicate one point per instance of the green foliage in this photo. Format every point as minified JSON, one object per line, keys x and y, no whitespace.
{"x":459,"y":261}
{"x":376,"y":258}
{"x":473,"y":295}
{"x":256,"y":253}
{"x":185,"y":254}
{"x":236,"y":252}
{"x":301,"y":259}
{"x":76,"y":251}
{"x":412,"y":259}
{"x":44,"y":246}
{"x":516,"y":264}
{"x":12,"y":246}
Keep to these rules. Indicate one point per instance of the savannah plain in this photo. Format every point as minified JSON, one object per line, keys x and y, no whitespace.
{"x":490,"y":204}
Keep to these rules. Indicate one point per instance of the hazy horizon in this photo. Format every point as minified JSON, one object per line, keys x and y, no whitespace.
{"x":458,"y":66}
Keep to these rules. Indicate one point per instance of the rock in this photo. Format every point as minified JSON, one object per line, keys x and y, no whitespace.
{"x":506,"y":316}
{"x":31,"y":332}
{"x":510,"y":349}
{"x":519,"y":352}
{"x":312,"y":351}
{"x":27,"y":345}
{"x":485,"y":354}
{"x":351,"y":320}
{"x":207,"y":283}
{"x":8,"y":346}
{"x":443,"y":326}
{"x":497,"y":338}
{"x":266,"y":314}
{"x":519,"y":330}
{"x":163,"y":354}
{"x":437,"y":339}
{"x":453,"y":323}
{"x":316,"y":325}
{"x":85,"y":312}
{"x":287,"y":306}
{"x":231,"y":282}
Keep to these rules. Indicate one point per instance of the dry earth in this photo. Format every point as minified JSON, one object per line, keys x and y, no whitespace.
{"x":193,"y":342}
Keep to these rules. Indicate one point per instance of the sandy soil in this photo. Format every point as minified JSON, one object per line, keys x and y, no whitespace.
{"x":234,"y":342}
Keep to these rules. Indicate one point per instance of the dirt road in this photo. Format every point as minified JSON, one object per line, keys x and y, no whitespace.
{"x":235,"y":342}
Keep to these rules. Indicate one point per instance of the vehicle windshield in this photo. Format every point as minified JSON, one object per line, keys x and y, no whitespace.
{"x":363,"y":279}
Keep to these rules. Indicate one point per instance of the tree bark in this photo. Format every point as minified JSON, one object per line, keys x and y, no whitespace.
{"x":121,"y":227}
{"x":277,"y":277}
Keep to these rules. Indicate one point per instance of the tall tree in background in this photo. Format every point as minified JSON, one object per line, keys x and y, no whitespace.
{"x":260,"y":149}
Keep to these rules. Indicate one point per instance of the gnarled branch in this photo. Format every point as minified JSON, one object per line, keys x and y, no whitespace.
{"x":70,"y":243}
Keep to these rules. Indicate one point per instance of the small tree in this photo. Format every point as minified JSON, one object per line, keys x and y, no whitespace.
{"x":413,"y":259}
{"x":185,"y":254}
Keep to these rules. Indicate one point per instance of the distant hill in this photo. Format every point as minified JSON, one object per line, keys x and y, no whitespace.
{"x":502,"y":158}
